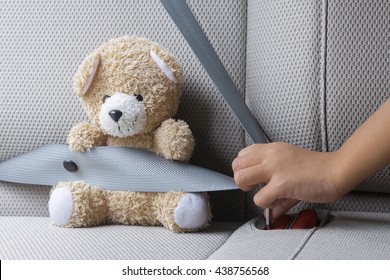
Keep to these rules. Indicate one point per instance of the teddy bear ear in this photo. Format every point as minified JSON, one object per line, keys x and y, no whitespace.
{"x":164,"y":67}
{"x":91,"y":75}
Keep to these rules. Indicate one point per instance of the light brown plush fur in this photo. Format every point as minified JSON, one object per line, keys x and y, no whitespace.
{"x":126,"y":66}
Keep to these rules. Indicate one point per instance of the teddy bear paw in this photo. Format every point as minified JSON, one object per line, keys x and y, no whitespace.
{"x":192,"y":212}
{"x":61,"y":206}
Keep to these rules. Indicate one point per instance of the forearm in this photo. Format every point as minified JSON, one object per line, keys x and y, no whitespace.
{"x":366,"y":151}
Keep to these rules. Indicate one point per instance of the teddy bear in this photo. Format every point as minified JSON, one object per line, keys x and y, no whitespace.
{"x":130,"y":88}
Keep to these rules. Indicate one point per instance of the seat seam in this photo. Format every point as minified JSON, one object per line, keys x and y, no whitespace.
{"x":224,"y":242}
{"x":323,"y":65}
{"x":300,"y":247}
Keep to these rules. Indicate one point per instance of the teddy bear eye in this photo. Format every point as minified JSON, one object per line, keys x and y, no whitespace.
{"x":139,"y":97}
{"x":105,"y":98}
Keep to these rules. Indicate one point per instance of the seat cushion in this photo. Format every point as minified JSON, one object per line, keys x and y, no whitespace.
{"x":36,"y":238}
{"x":350,"y":235}
{"x":347,"y":235}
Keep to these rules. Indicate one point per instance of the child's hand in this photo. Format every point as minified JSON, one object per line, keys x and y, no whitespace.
{"x":290,"y":174}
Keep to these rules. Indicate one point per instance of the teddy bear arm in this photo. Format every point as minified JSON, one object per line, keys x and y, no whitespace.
{"x":85,"y":136}
{"x":174,"y":140}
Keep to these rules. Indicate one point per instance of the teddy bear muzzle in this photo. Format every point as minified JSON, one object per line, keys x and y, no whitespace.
{"x":122,"y":115}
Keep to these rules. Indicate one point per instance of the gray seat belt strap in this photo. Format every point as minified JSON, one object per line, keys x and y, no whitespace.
{"x":198,"y":41}
{"x":195,"y":37}
{"x":113,"y":168}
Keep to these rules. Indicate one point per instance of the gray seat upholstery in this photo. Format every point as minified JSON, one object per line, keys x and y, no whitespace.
{"x":36,"y":238}
{"x":347,"y":235}
{"x":310,"y":71}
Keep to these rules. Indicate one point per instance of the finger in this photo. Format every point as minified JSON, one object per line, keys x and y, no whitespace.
{"x":250,"y":149}
{"x":268,"y":196}
{"x":247,"y":178}
{"x":246,"y":161}
{"x":281,"y":206}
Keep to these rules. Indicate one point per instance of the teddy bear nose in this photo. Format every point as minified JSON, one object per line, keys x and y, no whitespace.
{"x":115,"y":115}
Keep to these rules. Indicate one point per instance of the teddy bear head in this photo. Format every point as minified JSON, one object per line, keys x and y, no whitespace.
{"x":129,"y":85}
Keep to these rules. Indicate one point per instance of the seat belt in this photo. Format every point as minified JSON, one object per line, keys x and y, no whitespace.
{"x":112,"y":168}
{"x":189,"y":27}
{"x":199,"y":43}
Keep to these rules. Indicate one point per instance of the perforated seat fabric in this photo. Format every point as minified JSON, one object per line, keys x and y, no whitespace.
{"x":316,"y":69}
{"x":44,"y":41}
{"x":36,"y":238}
{"x":285,"y":50}
{"x":357,"y":76}
{"x":348,"y":235}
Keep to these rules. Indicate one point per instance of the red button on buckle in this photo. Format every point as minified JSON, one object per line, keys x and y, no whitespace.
{"x":305,"y":219}
{"x":281,"y":223}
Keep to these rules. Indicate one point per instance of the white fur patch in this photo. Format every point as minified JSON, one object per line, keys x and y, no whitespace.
{"x":61,"y":206}
{"x":191,"y":212}
{"x":133,"y":117}
{"x":165,"y":68}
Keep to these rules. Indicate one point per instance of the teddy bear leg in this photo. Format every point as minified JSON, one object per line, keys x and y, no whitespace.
{"x":76,"y":204}
{"x":184,"y":212}
{"x":132,"y":208}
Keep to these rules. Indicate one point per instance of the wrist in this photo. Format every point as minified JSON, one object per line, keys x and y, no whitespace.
{"x":344,"y":172}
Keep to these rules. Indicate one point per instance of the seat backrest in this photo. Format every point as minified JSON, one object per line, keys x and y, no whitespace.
{"x":42,"y":44}
{"x":316,"y":70}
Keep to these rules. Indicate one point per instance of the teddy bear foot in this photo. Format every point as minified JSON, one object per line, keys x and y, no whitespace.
{"x":76,"y":204}
{"x":192,"y":212}
{"x":61,"y":206}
